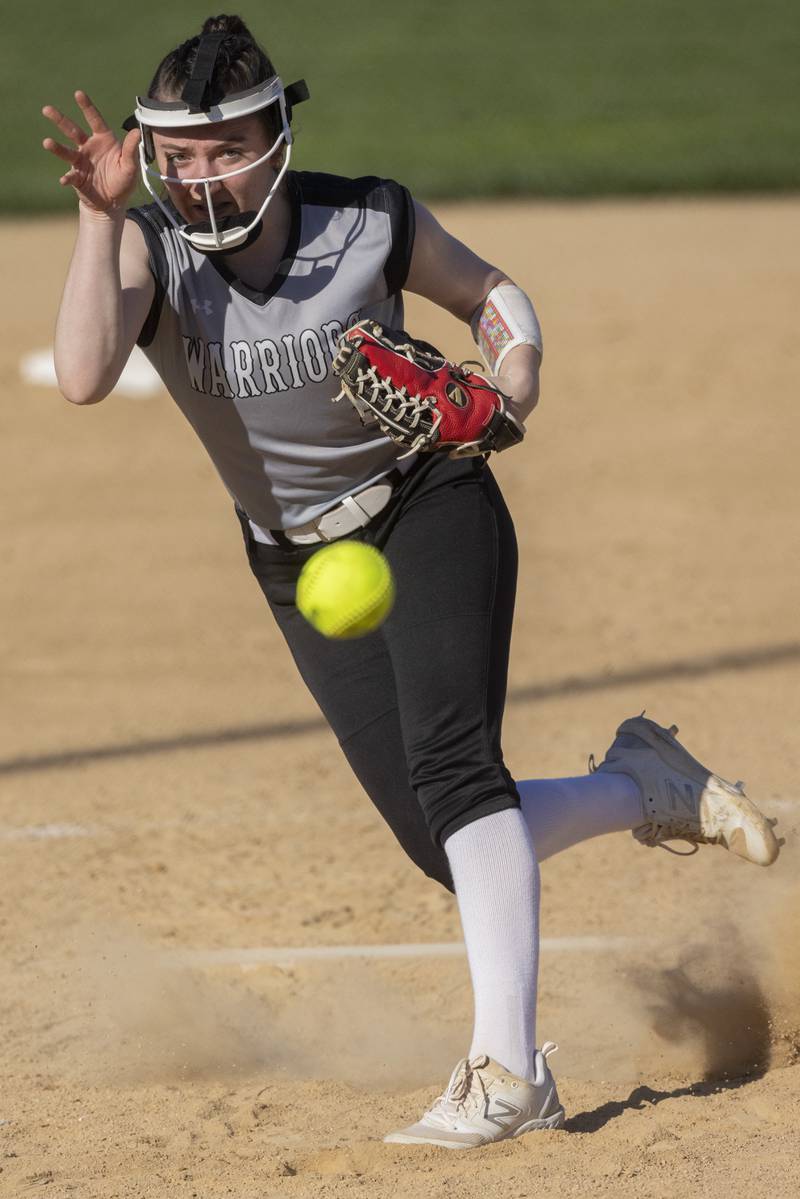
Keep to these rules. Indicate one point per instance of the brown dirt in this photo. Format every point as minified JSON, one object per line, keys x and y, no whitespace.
{"x":202,"y":805}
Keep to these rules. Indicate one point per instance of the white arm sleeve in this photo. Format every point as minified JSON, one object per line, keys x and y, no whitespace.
{"x":505,"y":319}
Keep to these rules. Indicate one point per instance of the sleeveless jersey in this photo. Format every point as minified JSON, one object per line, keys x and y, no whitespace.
{"x":251,"y":370}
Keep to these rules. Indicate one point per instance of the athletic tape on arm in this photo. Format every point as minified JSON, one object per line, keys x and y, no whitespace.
{"x":505,"y":319}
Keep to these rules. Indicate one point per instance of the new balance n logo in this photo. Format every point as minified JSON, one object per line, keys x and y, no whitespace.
{"x":678,"y":796}
{"x":504,"y":1116}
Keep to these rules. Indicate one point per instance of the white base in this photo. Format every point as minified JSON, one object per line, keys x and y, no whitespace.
{"x":138,"y":378}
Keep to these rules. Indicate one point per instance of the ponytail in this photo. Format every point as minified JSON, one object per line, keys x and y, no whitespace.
{"x":241,"y":63}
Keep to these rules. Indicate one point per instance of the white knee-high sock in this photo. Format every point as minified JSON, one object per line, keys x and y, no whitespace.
{"x":562,"y":812}
{"x":496,"y":880}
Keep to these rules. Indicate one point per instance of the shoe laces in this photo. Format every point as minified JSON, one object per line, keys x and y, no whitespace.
{"x":656,"y":835}
{"x":460,"y":1088}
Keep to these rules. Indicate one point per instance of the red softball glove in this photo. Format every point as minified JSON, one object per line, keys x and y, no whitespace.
{"x":417,"y":397}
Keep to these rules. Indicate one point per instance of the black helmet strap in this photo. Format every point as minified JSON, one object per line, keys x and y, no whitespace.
{"x":295,"y":93}
{"x":197,"y":92}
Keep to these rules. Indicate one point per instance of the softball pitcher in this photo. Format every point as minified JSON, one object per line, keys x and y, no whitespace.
{"x":259,"y":294}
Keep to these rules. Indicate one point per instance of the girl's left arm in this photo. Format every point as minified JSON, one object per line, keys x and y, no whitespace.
{"x":447,"y":272}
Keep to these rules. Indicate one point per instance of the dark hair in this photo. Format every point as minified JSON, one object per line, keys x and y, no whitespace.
{"x":241,"y":64}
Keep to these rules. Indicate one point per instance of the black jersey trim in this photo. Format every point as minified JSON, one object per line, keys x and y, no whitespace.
{"x":336,"y":191}
{"x":303,"y":187}
{"x":382,"y":195}
{"x":284,"y":266}
{"x":152,"y":223}
{"x":400,"y":207}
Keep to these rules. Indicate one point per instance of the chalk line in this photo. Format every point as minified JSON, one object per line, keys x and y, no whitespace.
{"x":46,"y":832}
{"x":286,"y":955}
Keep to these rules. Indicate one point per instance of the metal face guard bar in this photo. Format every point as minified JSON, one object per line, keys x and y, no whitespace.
{"x":154,"y":114}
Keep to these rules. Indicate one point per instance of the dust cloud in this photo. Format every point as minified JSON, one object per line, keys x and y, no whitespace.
{"x":730,"y":1006}
{"x":150,"y":1019}
{"x":719,"y":1004}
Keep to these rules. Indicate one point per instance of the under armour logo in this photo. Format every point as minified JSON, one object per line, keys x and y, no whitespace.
{"x":204,"y":306}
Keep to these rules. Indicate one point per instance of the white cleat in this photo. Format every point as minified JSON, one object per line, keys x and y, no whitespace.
{"x":682,"y":800}
{"x":484,"y":1103}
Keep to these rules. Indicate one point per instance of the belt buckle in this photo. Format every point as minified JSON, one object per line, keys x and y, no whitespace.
{"x":307,"y":534}
{"x":339,"y":516}
{"x":360,"y":517}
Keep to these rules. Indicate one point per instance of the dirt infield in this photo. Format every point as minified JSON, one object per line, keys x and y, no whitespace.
{"x":167,"y":784}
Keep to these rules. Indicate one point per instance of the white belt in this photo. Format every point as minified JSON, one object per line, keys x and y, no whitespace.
{"x":351,"y":513}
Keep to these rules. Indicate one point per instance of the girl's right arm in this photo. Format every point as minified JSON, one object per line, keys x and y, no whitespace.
{"x":109,"y":286}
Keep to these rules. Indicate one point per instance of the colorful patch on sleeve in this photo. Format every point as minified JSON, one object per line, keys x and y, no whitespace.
{"x":493,"y":333}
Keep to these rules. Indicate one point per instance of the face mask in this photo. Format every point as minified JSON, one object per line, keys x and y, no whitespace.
{"x":195,"y":108}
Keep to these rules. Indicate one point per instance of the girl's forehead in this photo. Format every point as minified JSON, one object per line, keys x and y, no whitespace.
{"x":240,"y":129}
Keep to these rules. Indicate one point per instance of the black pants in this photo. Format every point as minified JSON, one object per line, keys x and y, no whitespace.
{"x":417,"y":706}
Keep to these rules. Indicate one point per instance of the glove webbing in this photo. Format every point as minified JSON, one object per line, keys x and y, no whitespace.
{"x":390,"y":409}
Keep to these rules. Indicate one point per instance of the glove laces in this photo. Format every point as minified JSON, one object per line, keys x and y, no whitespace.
{"x":394,"y":408}
{"x":411,"y":419}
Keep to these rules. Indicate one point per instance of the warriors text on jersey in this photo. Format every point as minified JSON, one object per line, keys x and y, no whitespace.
{"x":251,"y":370}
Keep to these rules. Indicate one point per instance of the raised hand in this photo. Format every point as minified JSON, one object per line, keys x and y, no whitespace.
{"x":102,"y":169}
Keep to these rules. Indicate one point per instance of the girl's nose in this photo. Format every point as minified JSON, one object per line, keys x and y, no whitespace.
{"x":197,"y":191}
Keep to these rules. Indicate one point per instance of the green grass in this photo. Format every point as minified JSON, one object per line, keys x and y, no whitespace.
{"x":560,"y":97}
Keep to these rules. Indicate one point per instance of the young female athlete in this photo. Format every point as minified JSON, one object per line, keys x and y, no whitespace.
{"x":238,"y":281}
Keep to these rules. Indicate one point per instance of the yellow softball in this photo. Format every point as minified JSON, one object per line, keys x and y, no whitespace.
{"x":346,"y":589}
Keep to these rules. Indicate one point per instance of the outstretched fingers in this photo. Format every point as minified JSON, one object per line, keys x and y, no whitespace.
{"x":63,"y":152}
{"x":73,"y":178}
{"x":65,"y":124}
{"x":93,"y":118}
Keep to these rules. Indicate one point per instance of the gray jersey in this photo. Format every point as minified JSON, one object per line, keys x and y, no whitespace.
{"x":251,"y":370}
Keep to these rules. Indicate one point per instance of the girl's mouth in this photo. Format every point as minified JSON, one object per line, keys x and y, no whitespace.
{"x":199,"y":211}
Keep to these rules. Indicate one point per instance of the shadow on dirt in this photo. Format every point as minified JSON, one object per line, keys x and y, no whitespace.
{"x":738,"y":660}
{"x":643,"y":1097}
{"x":712,"y":1007}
